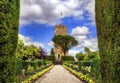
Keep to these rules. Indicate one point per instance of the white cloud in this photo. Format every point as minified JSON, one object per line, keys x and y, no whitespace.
{"x":48,"y":11}
{"x":73,"y":52}
{"x":80,"y":31}
{"x":51,"y":44}
{"x":81,"y":34}
{"x":29,"y":41}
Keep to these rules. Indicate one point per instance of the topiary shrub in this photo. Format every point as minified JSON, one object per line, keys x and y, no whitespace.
{"x":9,"y":21}
{"x":67,"y":58}
{"x":108,"y":31}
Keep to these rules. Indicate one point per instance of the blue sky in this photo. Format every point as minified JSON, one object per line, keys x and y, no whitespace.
{"x":38,"y":18}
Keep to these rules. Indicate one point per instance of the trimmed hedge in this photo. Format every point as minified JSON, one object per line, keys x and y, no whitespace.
{"x":79,"y":75}
{"x":51,"y":58}
{"x":67,"y":58}
{"x":19,"y":67}
{"x":25,"y":64}
{"x":37,"y":75}
{"x":39,"y":63}
{"x":95,"y":70}
{"x":84,"y":63}
{"x":108,"y":32}
{"x":9,"y":21}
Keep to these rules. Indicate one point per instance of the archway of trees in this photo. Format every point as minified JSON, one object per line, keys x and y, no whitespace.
{"x":108,"y":31}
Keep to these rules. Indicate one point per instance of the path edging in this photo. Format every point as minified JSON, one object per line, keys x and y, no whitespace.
{"x":37,"y":75}
{"x":79,"y":75}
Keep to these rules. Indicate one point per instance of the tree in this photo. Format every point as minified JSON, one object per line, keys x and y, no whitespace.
{"x":80,"y":56}
{"x":31,"y":52}
{"x":65,"y":42}
{"x":87,"y":50}
{"x":20,"y":49}
{"x":52,"y":52}
{"x":42,"y":53}
{"x":9,"y":21}
{"x":108,"y":32}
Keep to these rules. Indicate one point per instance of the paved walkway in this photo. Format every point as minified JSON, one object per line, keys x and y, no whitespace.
{"x":58,"y":74}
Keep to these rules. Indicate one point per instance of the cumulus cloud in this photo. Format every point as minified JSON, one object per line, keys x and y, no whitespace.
{"x":80,"y":31}
{"x":48,"y":11}
{"x":51,"y":44}
{"x":28,"y":41}
{"x":73,"y":52}
{"x":81,"y":34}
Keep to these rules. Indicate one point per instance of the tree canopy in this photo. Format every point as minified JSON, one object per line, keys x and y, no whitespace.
{"x":65,"y":42}
{"x":52,"y":52}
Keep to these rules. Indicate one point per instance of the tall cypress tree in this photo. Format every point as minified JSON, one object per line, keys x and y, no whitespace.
{"x":108,"y":28}
{"x":9,"y":21}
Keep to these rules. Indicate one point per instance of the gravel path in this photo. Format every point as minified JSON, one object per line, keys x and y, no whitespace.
{"x":58,"y":74}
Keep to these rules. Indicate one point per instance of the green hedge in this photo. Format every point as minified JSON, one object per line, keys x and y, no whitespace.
{"x":39,"y":63}
{"x":108,"y":32}
{"x":19,"y":67}
{"x":33,"y":64}
{"x":9,"y":22}
{"x":25,"y":64}
{"x":84,"y":63}
{"x":51,"y":58}
{"x":67,"y":58}
{"x":95,"y":69}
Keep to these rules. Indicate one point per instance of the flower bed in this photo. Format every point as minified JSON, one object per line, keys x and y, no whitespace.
{"x":37,"y":75}
{"x":79,"y":75}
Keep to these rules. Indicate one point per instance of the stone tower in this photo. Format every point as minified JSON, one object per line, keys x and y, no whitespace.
{"x":59,"y":30}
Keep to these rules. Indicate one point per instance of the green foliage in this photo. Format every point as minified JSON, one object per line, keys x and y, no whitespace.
{"x":95,"y":69}
{"x":25,"y":64}
{"x":91,"y":55}
{"x":67,"y":58}
{"x":29,"y":52}
{"x":9,"y":21}
{"x":65,"y":42}
{"x":52,"y":52}
{"x":83,"y":64}
{"x":51,"y":58}
{"x":108,"y":28}
{"x":20,"y":49}
{"x":18,"y":67}
{"x":87,"y":50}
{"x":80,"y":56}
{"x":33,"y":64}
{"x":30,"y":69}
{"x":39,"y":63}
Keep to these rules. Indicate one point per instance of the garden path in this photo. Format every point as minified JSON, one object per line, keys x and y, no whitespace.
{"x":58,"y":74}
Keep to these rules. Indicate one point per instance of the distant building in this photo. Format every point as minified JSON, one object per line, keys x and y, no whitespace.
{"x":59,"y":30}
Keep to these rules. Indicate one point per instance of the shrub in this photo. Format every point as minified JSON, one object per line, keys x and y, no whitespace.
{"x":30,"y":69}
{"x":33,"y":64}
{"x":67,"y":58}
{"x":95,"y":69}
{"x":19,"y":67}
{"x":83,"y":64}
{"x":51,"y":58}
{"x":79,"y":75}
{"x":9,"y":22}
{"x":25,"y":64}
{"x":39,"y":63}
